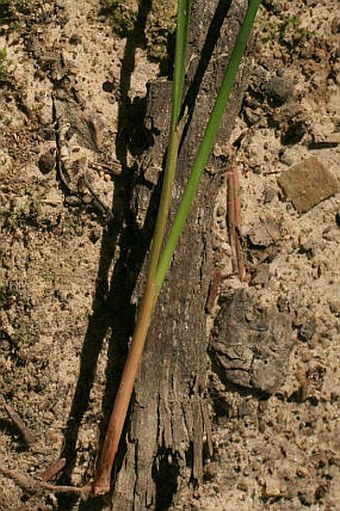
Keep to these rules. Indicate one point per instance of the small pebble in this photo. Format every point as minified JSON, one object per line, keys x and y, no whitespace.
{"x":242,"y":485}
{"x":108,"y":86}
{"x":220,"y":211}
{"x":211,"y":470}
{"x":251,"y":117}
{"x":75,"y":39}
{"x":269,"y":195}
{"x":262,"y":426}
{"x":286,"y":158}
{"x":302,"y":472}
{"x":47,"y":161}
{"x":87,"y":198}
{"x":257,"y":169}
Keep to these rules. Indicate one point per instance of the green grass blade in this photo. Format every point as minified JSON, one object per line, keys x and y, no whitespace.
{"x":120,"y":407}
{"x":182,"y":32}
{"x":207,"y":143}
{"x":183,"y":21}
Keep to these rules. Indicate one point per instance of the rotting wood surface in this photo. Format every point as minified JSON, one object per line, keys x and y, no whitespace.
{"x":168,"y":420}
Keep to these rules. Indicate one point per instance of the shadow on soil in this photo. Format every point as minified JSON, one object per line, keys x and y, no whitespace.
{"x":112,"y":310}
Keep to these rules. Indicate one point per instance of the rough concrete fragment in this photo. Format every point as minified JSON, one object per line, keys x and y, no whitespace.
{"x":307,"y":184}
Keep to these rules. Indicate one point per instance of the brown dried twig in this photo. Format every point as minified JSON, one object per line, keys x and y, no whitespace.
{"x":19,"y":424}
{"x":32,"y":486}
{"x":234,"y":222}
{"x":53,"y":469}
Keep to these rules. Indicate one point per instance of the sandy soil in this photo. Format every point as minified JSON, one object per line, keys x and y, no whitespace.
{"x":276,"y":452}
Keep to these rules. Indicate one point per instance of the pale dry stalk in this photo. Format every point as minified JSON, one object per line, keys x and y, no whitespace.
{"x":234,"y":221}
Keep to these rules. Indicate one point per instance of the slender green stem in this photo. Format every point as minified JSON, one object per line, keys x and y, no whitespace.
{"x":102,"y":477}
{"x":207,"y":143}
{"x":182,"y":32}
{"x":183,"y":20}
{"x":158,"y":265}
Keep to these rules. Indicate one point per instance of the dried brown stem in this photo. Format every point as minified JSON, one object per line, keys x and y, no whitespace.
{"x":102,"y":477}
{"x":234,"y":222}
{"x":53,"y":469}
{"x":29,"y":485}
{"x":19,"y":424}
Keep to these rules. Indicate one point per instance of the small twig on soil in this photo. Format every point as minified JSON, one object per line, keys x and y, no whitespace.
{"x":19,"y":424}
{"x":234,"y":221}
{"x":31,"y":486}
{"x":53,"y":469}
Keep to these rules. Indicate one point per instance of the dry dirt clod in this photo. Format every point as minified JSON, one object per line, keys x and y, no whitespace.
{"x":279,"y":90}
{"x":250,"y":347}
{"x":47,"y":161}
